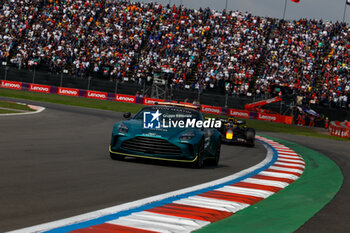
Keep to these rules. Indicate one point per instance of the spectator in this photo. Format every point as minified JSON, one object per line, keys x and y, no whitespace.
{"x":202,"y":49}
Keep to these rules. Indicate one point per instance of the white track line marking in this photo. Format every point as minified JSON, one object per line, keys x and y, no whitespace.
{"x":285,"y":151}
{"x":187,"y":201}
{"x":291,"y":161}
{"x":230,"y":205}
{"x":289,"y":164}
{"x":277,"y":184}
{"x":36,"y":108}
{"x":289,"y":156}
{"x":246,"y":191}
{"x":280,"y":147}
{"x":168,"y":219}
{"x":279,"y":174}
{"x":131,"y":221}
{"x":287,"y":169}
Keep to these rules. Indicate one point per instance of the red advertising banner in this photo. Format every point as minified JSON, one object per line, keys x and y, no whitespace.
{"x":238,"y":113}
{"x":288,"y":120}
{"x":39,"y":88}
{"x":11,"y":84}
{"x":96,"y":95}
{"x":271,"y":117}
{"x":151,"y":101}
{"x":125,"y":98}
{"x":211,"y":109}
{"x":68,"y":91}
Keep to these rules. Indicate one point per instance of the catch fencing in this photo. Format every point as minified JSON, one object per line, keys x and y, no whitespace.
{"x":211,"y":97}
{"x":139,"y":100}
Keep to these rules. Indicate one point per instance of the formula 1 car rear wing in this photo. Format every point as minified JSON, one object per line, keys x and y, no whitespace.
{"x":251,"y":106}
{"x":178,"y":105}
{"x":233,"y":120}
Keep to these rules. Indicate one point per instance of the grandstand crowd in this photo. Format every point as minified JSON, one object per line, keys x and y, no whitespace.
{"x":203,"y":49}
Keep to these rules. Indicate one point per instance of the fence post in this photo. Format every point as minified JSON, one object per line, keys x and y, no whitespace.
{"x":116,"y":86}
{"x":61,"y":81}
{"x":281,"y":107}
{"x":199,"y":94}
{"x":6,"y":68}
{"x":293,"y":113}
{"x":33,"y":81}
{"x":144,"y":88}
{"x":89,"y":79}
{"x":171,"y":92}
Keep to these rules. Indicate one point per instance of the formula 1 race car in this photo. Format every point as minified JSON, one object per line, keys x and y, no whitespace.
{"x":236,"y":131}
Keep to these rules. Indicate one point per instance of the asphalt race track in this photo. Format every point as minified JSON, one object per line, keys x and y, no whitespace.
{"x":55,"y":164}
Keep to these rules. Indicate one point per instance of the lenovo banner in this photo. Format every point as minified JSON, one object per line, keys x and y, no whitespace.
{"x":211,"y":109}
{"x":11,"y":84}
{"x":96,"y":95}
{"x":151,"y":101}
{"x":68,"y":91}
{"x":39,"y":88}
{"x":238,"y":113}
{"x":271,"y":117}
{"x":125,"y":98}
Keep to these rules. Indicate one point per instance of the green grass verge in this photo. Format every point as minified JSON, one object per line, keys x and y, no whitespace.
{"x":11,"y":105}
{"x":133,"y":108}
{"x":292,"y":129}
{"x":5,"y":111}
{"x":290,"y":208}
{"x":74,"y":101}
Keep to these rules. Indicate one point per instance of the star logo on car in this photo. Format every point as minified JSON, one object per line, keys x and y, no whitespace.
{"x":156,"y":116}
